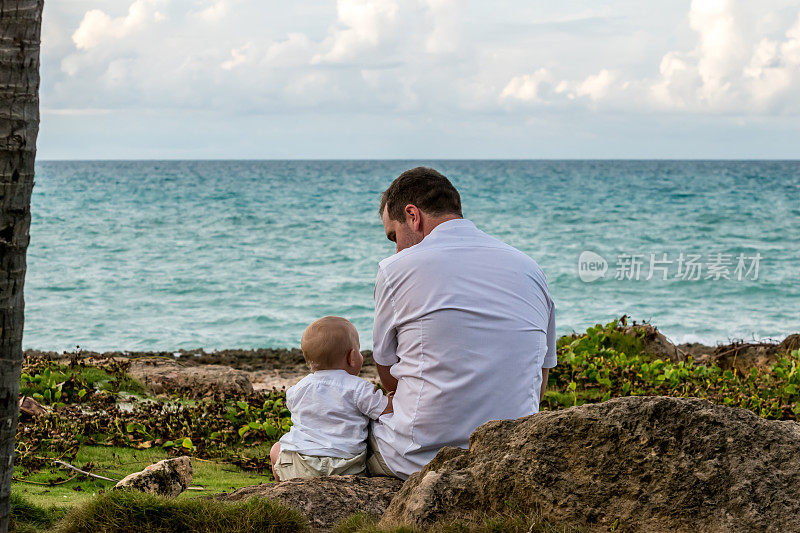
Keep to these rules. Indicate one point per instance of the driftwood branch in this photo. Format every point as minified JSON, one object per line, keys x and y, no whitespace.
{"x":84,"y":472}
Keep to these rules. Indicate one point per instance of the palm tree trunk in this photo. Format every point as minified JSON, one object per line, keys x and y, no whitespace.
{"x":20,"y":29}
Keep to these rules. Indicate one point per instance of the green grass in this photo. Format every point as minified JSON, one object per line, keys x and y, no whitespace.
{"x":117,"y":462}
{"x":29,"y":517}
{"x":134,"y":512}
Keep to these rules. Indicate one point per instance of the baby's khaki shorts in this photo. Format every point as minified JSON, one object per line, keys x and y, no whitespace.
{"x":292,"y":465}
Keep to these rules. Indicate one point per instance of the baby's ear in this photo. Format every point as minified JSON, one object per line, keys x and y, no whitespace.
{"x":351,"y":357}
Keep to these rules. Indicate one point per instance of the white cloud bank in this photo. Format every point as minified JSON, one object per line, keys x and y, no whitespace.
{"x":733,"y":68}
{"x":411,"y":60}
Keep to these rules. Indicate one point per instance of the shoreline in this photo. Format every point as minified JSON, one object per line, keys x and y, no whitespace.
{"x":264,"y":369}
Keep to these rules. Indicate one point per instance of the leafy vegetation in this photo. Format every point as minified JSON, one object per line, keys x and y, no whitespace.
{"x":57,"y":384}
{"x":103,"y":421}
{"x":84,"y":412}
{"x":608,"y":362}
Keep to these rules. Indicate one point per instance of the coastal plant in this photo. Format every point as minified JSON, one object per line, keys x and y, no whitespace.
{"x":609,"y":361}
{"x":208,"y":428}
{"x":54,"y":383}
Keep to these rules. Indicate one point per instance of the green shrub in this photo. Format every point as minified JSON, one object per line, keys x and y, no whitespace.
{"x":606,"y":363}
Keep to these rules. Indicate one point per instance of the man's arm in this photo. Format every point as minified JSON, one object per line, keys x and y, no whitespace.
{"x":388,"y":381}
{"x":545,"y":375}
{"x":550,"y":357}
{"x":384,"y":335}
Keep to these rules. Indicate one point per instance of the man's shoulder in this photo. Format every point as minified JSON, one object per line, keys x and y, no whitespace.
{"x":482,"y":243}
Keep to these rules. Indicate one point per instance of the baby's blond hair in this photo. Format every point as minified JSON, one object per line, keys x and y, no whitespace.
{"x":326,"y":342}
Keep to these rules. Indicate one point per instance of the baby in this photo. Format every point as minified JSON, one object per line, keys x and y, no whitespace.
{"x":331,"y":407}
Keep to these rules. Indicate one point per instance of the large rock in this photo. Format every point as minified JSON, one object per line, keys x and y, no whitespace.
{"x":790,"y":343}
{"x":655,"y":343}
{"x":643,"y":463}
{"x":742,"y":357}
{"x":193,"y":381}
{"x":168,"y":478}
{"x":326,"y":500}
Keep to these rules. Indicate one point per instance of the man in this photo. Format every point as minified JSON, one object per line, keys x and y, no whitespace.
{"x":464,"y":326}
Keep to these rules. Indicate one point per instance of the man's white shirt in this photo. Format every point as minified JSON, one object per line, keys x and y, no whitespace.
{"x":467,"y":324}
{"x":331,"y":410}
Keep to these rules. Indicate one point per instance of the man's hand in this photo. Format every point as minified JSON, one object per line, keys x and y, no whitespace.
{"x":388,"y":381}
{"x":545,"y":375}
{"x":389,"y":408}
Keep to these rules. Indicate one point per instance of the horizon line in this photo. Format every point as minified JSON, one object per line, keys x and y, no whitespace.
{"x":675,"y":159}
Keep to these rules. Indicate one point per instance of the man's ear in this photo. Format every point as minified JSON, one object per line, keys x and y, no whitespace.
{"x":413,"y":217}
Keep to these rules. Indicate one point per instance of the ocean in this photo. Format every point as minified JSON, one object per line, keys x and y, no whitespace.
{"x":164,"y":255}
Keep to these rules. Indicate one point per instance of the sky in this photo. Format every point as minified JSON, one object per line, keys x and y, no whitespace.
{"x":420,"y":79}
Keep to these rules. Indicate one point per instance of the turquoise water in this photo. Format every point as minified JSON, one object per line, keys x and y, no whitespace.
{"x":215,"y":254}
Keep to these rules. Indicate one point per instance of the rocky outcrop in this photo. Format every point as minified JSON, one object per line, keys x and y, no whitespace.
{"x":655,"y":343}
{"x":168,"y":478}
{"x":637,"y":464}
{"x":194,"y":381}
{"x":742,"y":357}
{"x":790,"y":343}
{"x":326,"y":500}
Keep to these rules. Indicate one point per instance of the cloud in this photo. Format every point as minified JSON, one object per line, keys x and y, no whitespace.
{"x":529,"y":87}
{"x":733,"y":67}
{"x":97,"y":27}
{"x":364,"y":25}
{"x":422,"y":56}
{"x":215,"y":11}
{"x":541,"y":87}
{"x":596,"y":86}
{"x":744,"y":61}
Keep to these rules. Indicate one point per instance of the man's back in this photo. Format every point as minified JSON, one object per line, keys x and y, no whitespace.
{"x":468,"y":324}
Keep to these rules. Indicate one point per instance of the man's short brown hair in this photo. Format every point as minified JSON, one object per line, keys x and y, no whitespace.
{"x":423,"y":187}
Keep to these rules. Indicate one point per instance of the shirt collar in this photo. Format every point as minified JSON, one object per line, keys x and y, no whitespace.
{"x":453,"y":224}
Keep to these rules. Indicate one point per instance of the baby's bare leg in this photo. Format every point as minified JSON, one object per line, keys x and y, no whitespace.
{"x":273,"y":456}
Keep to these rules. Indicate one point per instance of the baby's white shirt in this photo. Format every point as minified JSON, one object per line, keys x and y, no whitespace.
{"x":331,"y":410}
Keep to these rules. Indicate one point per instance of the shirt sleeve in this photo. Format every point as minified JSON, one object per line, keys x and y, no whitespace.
{"x":550,"y":359}
{"x":370,"y":400}
{"x":384,"y":334}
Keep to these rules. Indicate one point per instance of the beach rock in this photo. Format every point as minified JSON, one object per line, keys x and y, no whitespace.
{"x":167,"y":478}
{"x":30,"y":407}
{"x":790,"y":343}
{"x":742,"y":357}
{"x":635,"y":464}
{"x":326,"y":500}
{"x":194,"y":381}
{"x":656,"y":344}
{"x":696,"y":350}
